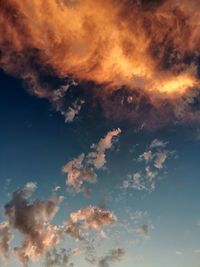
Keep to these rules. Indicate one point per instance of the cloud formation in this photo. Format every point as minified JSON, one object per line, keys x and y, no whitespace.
{"x":93,"y":217}
{"x":33,"y":221}
{"x":82,"y":169}
{"x":5,"y":239}
{"x":73,"y":111}
{"x":153,"y":160}
{"x":139,"y":54}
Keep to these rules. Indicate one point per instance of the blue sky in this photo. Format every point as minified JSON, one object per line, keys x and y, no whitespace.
{"x":100,"y":133}
{"x":36,"y":143}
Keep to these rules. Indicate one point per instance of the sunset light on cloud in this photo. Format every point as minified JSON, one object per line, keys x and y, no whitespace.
{"x":99,"y":142}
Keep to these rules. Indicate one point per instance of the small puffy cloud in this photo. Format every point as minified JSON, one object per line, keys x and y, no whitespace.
{"x":83,"y":167}
{"x":156,"y":154}
{"x":149,"y":173}
{"x":78,"y":173}
{"x":57,"y":98}
{"x":59,"y":93}
{"x":56,"y":188}
{"x":136,"y":181}
{"x":147,"y":156}
{"x":73,"y":111}
{"x":93,"y":217}
{"x":158,"y":143}
{"x":86,"y":219}
{"x":160,"y":159}
{"x":97,"y":157}
{"x":143,"y":230}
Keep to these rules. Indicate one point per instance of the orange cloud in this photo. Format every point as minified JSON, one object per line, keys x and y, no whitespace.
{"x":149,"y":47}
{"x":93,"y":217}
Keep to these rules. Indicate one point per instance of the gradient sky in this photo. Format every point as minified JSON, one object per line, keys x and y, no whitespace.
{"x":36,"y":143}
{"x":65,"y":89}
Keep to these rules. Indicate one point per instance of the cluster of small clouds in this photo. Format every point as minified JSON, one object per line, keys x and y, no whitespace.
{"x":83,"y":167}
{"x":33,"y":221}
{"x":58,"y":100}
{"x":153,"y":160}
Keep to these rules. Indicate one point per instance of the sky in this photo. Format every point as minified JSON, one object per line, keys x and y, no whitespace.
{"x":100,"y":133}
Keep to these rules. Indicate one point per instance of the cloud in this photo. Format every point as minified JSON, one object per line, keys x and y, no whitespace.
{"x":160,"y":159}
{"x":97,"y":157}
{"x":158,"y":143}
{"x":55,"y":258}
{"x":196,"y":251}
{"x":82,"y":168}
{"x":143,"y":230}
{"x":5,"y":238}
{"x":93,"y":217}
{"x":73,"y":111}
{"x":147,"y":156}
{"x":73,"y":230}
{"x":153,"y":161}
{"x":32,"y":220}
{"x":179,"y":253}
{"x":77,"y":173}
{"x":140,"y":69}
{"x":114,"y":255}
